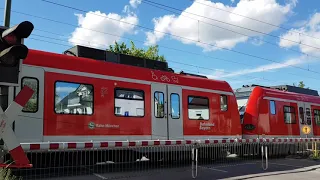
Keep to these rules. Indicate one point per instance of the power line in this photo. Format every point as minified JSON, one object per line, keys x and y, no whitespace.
{"x":55,"y":21}
{"x":235,"y":62}
{"x":136,"y":40}
{"x":249,"y":29}
{"x":254,"y":77}
{"x":281,"y":27}
{"x":239,"y":52}
{"x":271,"y":43}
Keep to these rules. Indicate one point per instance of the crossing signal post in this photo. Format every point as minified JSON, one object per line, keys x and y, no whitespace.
{"x":13,"y":51}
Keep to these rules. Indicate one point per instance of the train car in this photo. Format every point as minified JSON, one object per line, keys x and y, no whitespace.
{"x":80,"y":99}
{"x":271,"y":112}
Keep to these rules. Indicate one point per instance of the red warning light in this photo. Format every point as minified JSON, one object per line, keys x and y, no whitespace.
{"x":10,"y":39}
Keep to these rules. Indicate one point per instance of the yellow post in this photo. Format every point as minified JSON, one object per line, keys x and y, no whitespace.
{"x":316,"y":150}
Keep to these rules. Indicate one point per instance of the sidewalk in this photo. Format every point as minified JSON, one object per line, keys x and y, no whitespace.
{"x":312,"y":172}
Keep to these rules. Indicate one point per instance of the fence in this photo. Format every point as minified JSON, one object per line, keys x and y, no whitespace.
{"x":114,"y":160}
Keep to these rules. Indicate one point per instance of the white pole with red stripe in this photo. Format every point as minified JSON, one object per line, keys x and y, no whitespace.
{"x":6,"y":132}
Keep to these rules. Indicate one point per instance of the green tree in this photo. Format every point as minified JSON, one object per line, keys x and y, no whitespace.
{"x":32,"y":104}
{"x":301,"y":85}
{"x":151,"y":53}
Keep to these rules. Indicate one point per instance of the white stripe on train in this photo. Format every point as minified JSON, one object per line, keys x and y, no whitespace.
{"x":99,"y":76}
{"x":288,"y":100}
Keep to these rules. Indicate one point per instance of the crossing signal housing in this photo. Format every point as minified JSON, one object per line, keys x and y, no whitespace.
{"x":12,"y":50}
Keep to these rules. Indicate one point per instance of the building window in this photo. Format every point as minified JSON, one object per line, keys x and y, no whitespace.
{"x":159,"y":104}
{"x":223,"y":103}
{"x":73,"y":98}
{"x":33,"y":103}
{"x":175,"y":106}
{"x":130,"y":101}
{"x":317,"y":117}
{"x":289,"y":115}
{"x":117,"y":110}
{"x":198,"y":108}
{"x":272,"y":107}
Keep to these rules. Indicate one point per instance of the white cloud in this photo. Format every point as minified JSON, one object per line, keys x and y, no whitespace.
{"x":311,"y":28}
{"x":135,"y":3}
{"x":299,"y":23}
{"x":219,"y":74}
{"x":95,"y":26}
{"x":184,"y":26}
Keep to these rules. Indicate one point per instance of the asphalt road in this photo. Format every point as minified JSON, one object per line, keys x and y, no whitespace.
{"x":217,"y":171}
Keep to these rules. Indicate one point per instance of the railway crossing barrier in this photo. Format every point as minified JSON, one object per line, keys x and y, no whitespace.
{"x":116,"y":159}
{"x":16,"y":151}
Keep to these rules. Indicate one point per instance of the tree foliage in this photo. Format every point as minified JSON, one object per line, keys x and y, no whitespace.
{"x":32,"y":104}
{"x":300,"y":84}
{"x":151,"y":53}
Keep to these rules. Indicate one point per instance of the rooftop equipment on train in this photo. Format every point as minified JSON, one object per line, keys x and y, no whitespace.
{"x":108,"y":56}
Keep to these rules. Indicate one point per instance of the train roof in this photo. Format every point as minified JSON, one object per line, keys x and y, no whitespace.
{"x":246,"y":90}
{"x":87,"y":65}
{"x":275,"y":93}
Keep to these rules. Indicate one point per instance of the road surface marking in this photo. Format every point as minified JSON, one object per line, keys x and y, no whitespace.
{"x":214,"y":169}
{"x":286,"y":165}
{"x":99,"y":176}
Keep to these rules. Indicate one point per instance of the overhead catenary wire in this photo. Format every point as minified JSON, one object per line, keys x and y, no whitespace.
{"x":55,"y":21}
{"x":235,"y":62}
{"x":175,"y":49}
{"x":166,"y":47}
{"x":143,"y":27}
{"x":253,"y":77}
{"x":223,"y":22}
{"x":235,"y":32}
{"x":254,"y":19}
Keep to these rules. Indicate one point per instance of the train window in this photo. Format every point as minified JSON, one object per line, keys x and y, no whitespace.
{"x":33,"y":103}
{"x":308,"y":112}
{"x":289,"y":115}
{"x":272,"y":107}
{"x":175,"y":106}
{"x":317,"y":117}
{"x":223,"y":103}
{"x":131,"y":102}
{"x":159,"y":104}
{"x":198,"y":108}
{"x":73,"y":98}
{"x":301,"y":114}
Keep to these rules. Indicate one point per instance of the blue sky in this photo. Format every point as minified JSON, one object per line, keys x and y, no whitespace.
{"x":249,"y":60}
{"x":64,"y":88}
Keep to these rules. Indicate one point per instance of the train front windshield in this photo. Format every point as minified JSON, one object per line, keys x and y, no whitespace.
{"x":242,"y":107}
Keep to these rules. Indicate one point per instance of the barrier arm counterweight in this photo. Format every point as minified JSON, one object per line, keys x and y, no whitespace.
{"x":12,"y":112}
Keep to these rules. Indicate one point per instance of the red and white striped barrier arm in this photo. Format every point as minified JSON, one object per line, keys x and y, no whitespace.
{"x":7,"y":118}
{"x":153,"y":143}
{"x":101,"y":145}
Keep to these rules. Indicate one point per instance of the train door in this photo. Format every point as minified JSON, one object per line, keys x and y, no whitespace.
{"x":305,"y":119}
{"x":175,"y":120}
{"x":29,"y":126}
{"x":166,"y":111}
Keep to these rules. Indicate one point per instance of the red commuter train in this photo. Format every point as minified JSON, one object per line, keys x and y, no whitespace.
{"x":95,"y":99}
{"x":94,"y":95}
{"x":279,"y":112}
{"x":81,"y":99}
